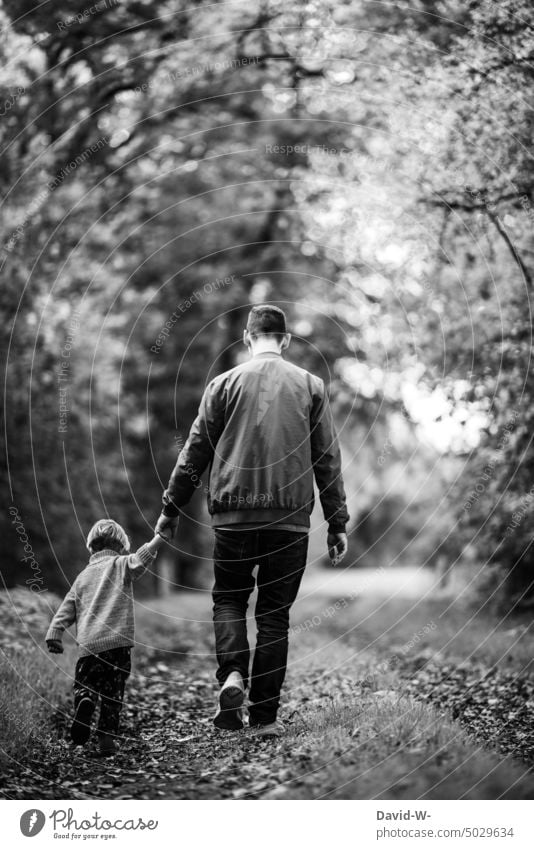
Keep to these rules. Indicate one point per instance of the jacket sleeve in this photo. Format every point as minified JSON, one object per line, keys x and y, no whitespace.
{"x":326,"y":460}
{"x":198,"y":451}
{"x":64,"y":617}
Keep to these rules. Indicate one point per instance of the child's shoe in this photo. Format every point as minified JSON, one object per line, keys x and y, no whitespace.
{"x":106,"y":745}
{"x":80,"y":729}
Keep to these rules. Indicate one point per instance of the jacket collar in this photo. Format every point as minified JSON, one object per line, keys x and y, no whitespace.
{"x":267,"y":354}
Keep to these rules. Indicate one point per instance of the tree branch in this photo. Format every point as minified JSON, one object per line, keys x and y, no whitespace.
{"x":481,"y":206}
{"x":512,"y":248}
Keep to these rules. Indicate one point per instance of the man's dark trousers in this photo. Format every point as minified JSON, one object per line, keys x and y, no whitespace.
{"x":281,"y":558}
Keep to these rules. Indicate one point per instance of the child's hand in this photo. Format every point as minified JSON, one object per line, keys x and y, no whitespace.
{"x":157,"y":541}
{"x":55,"y":646}
{"x":166,"y":535}
{"x":166,"y":526}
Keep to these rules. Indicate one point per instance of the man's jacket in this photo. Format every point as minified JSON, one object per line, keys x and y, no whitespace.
{"x":265,"y":429}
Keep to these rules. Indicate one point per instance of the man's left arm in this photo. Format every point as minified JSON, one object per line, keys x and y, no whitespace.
{"x":326,"y":460}
{"x":196,"y":454}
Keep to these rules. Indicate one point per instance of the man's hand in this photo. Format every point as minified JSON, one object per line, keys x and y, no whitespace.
{"x":55,"y":646}
{"x":337,"y":547}
{"x":166,"y":526}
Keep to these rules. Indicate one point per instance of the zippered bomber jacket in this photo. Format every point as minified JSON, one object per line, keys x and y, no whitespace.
{"x":265,"y":429}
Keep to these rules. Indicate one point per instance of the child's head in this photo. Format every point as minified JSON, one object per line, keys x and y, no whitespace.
{"x":107,"y":534}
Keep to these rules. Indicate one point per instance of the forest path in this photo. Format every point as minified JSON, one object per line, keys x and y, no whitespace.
{"x":363,"y":668}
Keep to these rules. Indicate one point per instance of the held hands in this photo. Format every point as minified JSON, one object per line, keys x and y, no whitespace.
{"x":337,"y":547}
{"x":55,"y":646}
{"x":166,"y":526}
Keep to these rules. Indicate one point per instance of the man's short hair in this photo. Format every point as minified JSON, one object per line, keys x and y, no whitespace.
{"x":266,"y":319}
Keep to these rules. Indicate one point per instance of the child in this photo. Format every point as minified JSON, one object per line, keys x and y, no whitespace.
{"x":100,"y":601}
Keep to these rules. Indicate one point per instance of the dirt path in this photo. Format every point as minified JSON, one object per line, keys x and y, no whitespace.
{"x":170,"y":747}
{"x":360,"y":725}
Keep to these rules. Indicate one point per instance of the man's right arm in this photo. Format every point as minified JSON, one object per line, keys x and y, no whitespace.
{"x":197,"y":452}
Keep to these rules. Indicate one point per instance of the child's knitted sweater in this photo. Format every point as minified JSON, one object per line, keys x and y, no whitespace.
{"x":100,"y":601}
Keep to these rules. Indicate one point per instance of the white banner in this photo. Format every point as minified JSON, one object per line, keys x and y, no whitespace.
{"x":309,"y":824}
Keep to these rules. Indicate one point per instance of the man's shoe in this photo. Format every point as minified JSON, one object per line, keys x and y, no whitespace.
{"x":106,"y":745}
{"x":229,"y":716}
{"x":80,"y":729}
{"x":268,"y":729}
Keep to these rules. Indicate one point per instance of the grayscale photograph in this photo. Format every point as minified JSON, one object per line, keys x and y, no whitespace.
{"x":266,"y":277}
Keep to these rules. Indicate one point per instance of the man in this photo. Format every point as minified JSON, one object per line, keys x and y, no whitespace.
{"x":266,"y":430}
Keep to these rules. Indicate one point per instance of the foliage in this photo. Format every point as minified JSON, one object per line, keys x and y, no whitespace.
{"x":367,"y":166}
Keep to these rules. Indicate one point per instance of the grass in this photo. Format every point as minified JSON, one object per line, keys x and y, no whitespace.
{"x":463,"y":631}
{"x":32,"y":682}
{"x":388,"y":746}
{"x":28,"y":690}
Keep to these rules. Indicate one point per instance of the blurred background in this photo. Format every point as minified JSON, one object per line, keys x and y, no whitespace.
{"x":366,"y":166}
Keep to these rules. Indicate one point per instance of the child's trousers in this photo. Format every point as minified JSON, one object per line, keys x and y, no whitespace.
{"x":104,"y":676}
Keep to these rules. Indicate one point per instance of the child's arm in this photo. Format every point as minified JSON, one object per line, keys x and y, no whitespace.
{"x":65,"y":616}
{"x":138,"y":563}
{"x":156,"y":542}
